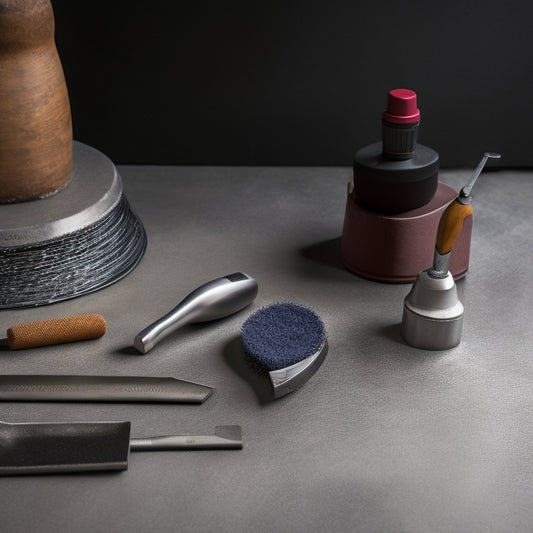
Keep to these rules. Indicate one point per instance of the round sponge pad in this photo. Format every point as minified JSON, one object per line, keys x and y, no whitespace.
{"x":282,"y":334}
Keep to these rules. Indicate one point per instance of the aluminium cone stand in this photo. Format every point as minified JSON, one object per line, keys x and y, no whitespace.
{"x":77,"y":241}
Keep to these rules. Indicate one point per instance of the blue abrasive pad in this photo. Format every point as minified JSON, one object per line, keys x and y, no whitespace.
{"x":282,"y":334}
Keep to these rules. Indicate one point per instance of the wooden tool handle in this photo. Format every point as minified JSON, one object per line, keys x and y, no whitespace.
{"x":56,"y":331}
{"x":450,"y":225}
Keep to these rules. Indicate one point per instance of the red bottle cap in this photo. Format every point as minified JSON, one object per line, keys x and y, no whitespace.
{"x":401,"y":108}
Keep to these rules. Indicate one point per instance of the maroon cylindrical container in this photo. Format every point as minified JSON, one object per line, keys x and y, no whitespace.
{"x":396,"y":247}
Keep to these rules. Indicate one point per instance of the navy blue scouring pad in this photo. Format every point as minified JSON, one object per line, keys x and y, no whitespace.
{"x":287,"y":339}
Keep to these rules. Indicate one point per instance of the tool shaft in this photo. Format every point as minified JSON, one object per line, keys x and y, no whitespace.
{"x":225,"y":438}
{"x":467,"y":189}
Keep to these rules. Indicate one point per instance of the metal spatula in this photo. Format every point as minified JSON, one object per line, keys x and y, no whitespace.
{"x":42,"y":448}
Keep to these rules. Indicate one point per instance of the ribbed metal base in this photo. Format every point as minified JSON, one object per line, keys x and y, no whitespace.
{"x":72,"y":243}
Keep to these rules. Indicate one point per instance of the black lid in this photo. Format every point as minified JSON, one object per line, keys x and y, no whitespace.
{"x":369,"y":161}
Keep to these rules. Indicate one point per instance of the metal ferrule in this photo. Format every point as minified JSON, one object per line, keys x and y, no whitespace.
{"x":441,"y":263}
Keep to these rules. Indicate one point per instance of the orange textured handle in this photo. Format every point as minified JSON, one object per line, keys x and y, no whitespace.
{"x":450,"y":225}
{"x":56,"y":331}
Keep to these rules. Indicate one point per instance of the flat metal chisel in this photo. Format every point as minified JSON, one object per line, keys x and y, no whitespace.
{"x":57,"y":388}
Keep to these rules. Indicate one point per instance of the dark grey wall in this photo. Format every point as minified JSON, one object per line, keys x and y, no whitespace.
{"x":295,"y":82}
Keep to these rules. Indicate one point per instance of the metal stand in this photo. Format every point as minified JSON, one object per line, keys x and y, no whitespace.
{"x":77,"y":241}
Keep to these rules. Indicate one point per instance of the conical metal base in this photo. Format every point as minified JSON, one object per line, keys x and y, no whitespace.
{"x":77,"y":241}
{"x":432,"y":313}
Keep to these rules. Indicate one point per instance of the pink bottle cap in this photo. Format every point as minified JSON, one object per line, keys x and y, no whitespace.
{"x":401,"y":108}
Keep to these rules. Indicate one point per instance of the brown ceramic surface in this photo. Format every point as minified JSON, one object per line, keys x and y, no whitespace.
{"x":35,"y":120}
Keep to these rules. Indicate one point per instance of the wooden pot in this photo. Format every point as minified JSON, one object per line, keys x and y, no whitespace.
{"x":35,"y":119}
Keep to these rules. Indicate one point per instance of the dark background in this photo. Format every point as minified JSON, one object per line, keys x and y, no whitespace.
{"x":295,"y":82}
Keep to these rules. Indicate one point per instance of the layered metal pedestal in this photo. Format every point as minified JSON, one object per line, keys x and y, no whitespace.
{"x":77,"y":241}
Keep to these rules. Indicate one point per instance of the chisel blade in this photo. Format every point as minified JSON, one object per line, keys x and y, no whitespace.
{"x":54,"y":388}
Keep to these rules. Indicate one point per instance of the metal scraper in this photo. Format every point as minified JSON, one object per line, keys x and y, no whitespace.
{"x":44,"y":448}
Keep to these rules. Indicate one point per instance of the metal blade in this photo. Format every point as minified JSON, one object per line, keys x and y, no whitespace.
{"x":225,"y":438}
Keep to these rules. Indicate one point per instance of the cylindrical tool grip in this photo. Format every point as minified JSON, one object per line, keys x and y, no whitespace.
{"x":450,"y":225}
{"x":56,"y":331}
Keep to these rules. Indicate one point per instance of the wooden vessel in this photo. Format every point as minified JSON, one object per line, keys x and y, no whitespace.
{"x":35,"y":118}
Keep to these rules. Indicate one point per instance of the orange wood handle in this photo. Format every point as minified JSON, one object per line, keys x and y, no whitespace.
{"x":56,"y":331}
{"x":450,"y":225}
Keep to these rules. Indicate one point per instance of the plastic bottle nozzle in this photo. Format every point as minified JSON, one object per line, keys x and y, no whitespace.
{"x":400,"y":124}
